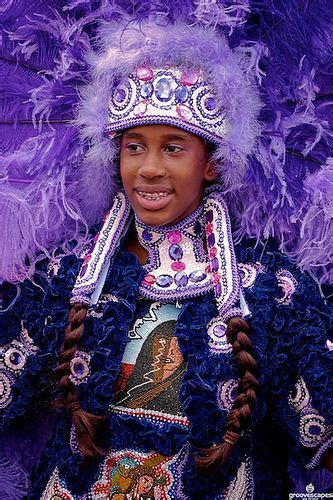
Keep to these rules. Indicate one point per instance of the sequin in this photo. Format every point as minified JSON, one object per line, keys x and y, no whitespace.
{"x":140,"y":109}
{"x":175,"y":236}
{"x":144,"y":73}
{"x":210,"y":103}
{"x":163,"y":89}
{"x":175,"y":252}
{"x":147,"y":90}
{"x":189,"y":77}
{"x":178,"y":266}
{"x":184,"y":112}
{"x":149,"y":279}
{"x":181,"y":93}
{"x":164,"y":280}
{"x":181,"y":279}
{"x":197,"y":276}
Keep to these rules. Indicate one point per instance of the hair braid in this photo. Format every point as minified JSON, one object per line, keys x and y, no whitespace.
{"x":86,"y":425}
{"x":212,"y":458}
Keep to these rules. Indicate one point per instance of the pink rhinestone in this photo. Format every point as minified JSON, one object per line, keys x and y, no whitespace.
{"x":87,"y":259}
{"x":144,"y":73}
{"x":212,"y":252}
{"x":207,"y":269}
{"x":209,"y":228}
{"x":140,"y":108}
{"x":184,"y":112}
{"x":149,"y":279}
{"x":175,"y":236}
{"x":178,"y":266}
{"x":216,"y":278}
{"x":189,"y":77}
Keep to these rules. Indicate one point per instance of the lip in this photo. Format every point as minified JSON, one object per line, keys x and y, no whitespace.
{"x":153,"y":204}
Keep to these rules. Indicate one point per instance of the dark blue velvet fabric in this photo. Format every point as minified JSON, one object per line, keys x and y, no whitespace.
{"x":287,"y":339}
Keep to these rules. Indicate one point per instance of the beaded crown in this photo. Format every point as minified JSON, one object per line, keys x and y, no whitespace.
{"x":172,"y":96}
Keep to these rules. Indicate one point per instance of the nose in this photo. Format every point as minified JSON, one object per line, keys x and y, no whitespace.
{"x":152,"y":166}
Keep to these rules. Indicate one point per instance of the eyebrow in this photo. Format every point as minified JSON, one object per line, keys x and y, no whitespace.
{"x":168,"y":137}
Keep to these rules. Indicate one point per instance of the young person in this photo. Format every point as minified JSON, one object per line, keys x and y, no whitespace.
{"x":191,"y":367}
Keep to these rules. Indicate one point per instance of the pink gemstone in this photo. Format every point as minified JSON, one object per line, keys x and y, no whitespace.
{"x":207,"y":269}
{"x":184,"y":112}
{"x":212,"y":252}
{"x":178,"y":266}
{"x":216,"y":278}
{"x":175,"y":236}
{"x":140,"y":108}
{"x":149,"y":279}
{"x":87,"y":259}
{"x":189,"y":77}
{"x":144,"y":73}
{"x":209,"y":228}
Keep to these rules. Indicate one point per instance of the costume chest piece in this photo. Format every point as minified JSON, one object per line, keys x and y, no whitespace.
{"x":178,"y":265}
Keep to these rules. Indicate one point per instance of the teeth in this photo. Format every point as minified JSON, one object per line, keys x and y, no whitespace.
{"x":152,"y":196}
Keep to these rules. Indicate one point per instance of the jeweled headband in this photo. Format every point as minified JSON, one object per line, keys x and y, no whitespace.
{"x":171,"y":96}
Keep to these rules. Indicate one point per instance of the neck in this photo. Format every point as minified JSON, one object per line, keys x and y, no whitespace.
{"x":133,"y":245}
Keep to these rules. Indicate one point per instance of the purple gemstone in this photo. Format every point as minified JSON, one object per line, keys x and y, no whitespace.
{"x":147,"y":235}
{"x":147,"y":90}
{"x":181,"y":279}
{"x":119,"y":95}
{"x":163,"y":90}
{"x":15,"y":358}
{"x":83,"y":270}
{"x":164,"y":280}
{"x":210,"y":103}
{"x":197,"y":227}
{"x":181,"y":93}
{"x":214,"y":263}
{"x":78,"y":368}
{"x":175,"y":252}
{"x":219,"y":331}
{"x":209,"y":216}
{"x":211,"y":240}
{"x":314,"y":430}
{"x":197,"y":276}
{"x":218,"y":289}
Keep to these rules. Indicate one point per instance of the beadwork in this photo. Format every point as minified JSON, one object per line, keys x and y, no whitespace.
{"x":80,"y":367}
{"x":218,"y":342}
{"x":169,"y":96}
{"x":13,"y":358}
{"x":226,"y":393}
{"x":287,"y":286}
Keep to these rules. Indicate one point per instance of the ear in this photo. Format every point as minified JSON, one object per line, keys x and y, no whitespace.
{"x":210,"y":173}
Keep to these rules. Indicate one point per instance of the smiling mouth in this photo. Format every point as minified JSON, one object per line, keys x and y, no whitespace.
{"x":153,"y":196}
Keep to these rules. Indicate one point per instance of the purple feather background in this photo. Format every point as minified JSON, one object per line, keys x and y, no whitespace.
{"x":53,"y":184}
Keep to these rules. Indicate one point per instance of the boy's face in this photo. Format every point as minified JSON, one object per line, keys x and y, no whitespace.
{"x":163,"y":170}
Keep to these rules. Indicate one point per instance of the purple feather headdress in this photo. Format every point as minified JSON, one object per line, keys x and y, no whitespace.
{"x":58,"y":168}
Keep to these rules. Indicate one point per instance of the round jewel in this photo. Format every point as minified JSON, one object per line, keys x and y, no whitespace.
{"x":189,"y":77}
{"x":164,"y":280}
{"x":198,"y":276}
{"x":178,"y":266}
{"x":147,"y":90}
{"x":184,"y":112}
{"x":181,"y":93}
{"x":175,"y":252}
{"x":181,"y":279}
{"x":163,"y":89}
{"x":175,"y":236}
{"x":144,"y":73}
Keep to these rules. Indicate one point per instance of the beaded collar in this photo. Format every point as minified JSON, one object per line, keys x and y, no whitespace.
{"x":178,"y":264}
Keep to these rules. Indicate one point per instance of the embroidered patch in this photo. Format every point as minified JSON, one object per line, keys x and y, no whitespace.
{"x":13,"y":358}
{"x":79,"y":367}
{"x":226,"y":393}
{"x":130,"y":474}
{"x":218,"y":342}
{"x":248,"y":273}
{"x":287,"y":286}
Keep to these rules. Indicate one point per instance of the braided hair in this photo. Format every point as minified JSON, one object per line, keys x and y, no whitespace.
{"x":210,"y":459}
{"x":87,"y":426}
